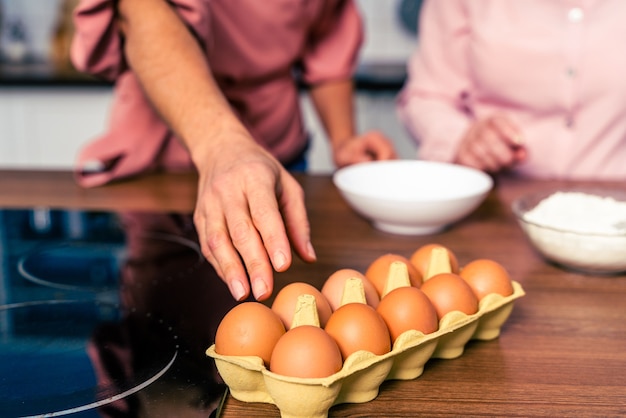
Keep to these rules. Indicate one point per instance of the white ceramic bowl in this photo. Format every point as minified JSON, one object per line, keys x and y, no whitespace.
{"x":577,"y":247}
{"x":412,"y":197}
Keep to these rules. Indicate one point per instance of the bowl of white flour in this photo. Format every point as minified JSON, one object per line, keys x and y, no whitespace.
{"x":581,"y":229}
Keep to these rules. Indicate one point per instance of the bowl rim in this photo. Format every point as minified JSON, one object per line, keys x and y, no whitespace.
{"x":518,"y":211}
{"x":475,"y":193}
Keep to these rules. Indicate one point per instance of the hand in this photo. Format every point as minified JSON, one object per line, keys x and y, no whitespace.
{"x":492,"y":144}
{"x":249,"y":208}
{"x":370,"y":146}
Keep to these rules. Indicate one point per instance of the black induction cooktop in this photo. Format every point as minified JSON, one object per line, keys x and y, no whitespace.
{"x":106,"y":314}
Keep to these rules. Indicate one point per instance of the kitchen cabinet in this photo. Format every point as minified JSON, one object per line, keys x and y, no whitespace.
{"x":45,"y":126}
{"x":48,"y":112}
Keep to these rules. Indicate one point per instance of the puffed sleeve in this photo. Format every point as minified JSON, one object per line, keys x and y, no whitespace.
{"x":432,"y":104}
{"x":332,"y":48}
{"x":97,"y":45}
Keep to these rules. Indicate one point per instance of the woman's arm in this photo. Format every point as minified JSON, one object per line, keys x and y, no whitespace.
{"x":437,"y":102}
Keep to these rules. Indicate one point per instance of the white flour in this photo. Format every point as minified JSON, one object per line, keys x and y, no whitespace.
{"x":602,"y":250}
{"x":580,"y":212}
{"x":602,"y":246}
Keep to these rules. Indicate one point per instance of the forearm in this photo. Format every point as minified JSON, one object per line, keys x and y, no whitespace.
{"x":334,"y":104}
{"x":176,"y":76}
{"x":249,"y":208}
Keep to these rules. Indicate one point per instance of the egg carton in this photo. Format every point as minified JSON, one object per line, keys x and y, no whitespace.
{"x":362,"y":373}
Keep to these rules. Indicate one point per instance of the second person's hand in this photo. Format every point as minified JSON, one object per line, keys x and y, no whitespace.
{"x":370,"y":146}
{"x":492,"y":144}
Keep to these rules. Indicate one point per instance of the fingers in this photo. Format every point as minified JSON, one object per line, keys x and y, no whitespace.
{"x":491,"y":145}
{"x":379,"y":146}
{"x":249,"y":214}
{"x":372,"y":146}
{"x":262,"y":240}
{"x":508,"y":131}
{"x":245,"y":219}
{"x":291,"y":200}
{"x":217,"y":246}
{"x":493,"y":151}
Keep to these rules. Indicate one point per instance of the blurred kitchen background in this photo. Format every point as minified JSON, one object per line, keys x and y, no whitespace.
{"x":48,"y":110}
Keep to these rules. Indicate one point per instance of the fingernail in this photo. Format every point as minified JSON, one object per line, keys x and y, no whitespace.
{"x":310,"y":250}
{"x":279,"y":260}
{"x":259,"y":288}
{"x":237,"y":290}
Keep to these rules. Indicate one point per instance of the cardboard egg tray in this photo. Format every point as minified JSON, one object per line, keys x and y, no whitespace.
{"x":363,"y":372}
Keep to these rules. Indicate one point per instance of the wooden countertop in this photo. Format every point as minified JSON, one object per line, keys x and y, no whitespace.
{"x":57,"y":189}
{"x":561,"y":353}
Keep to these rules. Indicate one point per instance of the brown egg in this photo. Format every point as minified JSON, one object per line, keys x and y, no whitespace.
{"x":408,"y":308}
{"x":306,"y":351}
{"x":487,"y":276}
{"x":378,"y":271}
{"x":286,"y":299}
{"x":334,"y":286}
{"x":449,"y":292}
{"x":422,"y":256}
{"x":357,"y":326}
{"x":249,"y":329}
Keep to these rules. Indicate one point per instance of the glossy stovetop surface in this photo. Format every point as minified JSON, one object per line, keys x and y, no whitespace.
{"x":106,"y":314}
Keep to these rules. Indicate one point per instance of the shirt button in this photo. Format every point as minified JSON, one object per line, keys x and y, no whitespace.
{"x":575,"y":14}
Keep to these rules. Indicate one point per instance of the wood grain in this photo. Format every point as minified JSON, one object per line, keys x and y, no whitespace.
{"x":561,"y":353}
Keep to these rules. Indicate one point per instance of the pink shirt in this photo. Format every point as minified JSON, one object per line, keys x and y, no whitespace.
{"x":556,"y":68}
{"x":253,"y":48}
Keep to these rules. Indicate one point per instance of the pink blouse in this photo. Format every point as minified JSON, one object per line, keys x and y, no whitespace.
{"x":253,"y":47}
{"x":556,"y":68}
